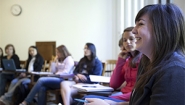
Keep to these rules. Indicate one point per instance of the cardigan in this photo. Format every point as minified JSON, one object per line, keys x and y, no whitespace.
{"x":123,"y":72}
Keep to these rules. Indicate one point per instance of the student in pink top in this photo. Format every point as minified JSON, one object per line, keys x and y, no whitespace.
{"x":63,"y":64}
{"x":125,"y":72}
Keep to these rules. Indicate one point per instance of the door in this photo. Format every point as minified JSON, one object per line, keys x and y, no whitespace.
{"x":46,"y":49}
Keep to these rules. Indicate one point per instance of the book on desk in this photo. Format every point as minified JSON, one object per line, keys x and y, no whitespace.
{"x":81,"y":87}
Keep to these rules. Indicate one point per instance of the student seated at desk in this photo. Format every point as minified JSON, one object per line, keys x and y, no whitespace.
{"x":88,"y":65}
{"x":34,"y":63}
{"x":10,"y":51}
{"x":125,"y":72}
{"x":1,"y":56}
{"x":64,"y":63}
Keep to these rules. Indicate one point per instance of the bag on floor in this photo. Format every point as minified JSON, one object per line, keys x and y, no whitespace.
{"x":20,"y":93}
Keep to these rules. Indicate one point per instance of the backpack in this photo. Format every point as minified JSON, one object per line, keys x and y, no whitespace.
{"x":20,"y":93}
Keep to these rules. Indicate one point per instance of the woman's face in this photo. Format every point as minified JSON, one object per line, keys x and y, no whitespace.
{"x":9,"y":50}
{"x":144,"y":36}
{"x":87,"y":51}
{"x":129,"y":41}
{"x":32,"y":52}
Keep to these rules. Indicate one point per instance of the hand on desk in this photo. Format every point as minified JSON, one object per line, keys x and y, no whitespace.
{"x":81,"y":77}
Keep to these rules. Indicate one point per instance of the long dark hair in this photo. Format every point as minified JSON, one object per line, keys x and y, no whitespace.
{"x":2,"y":52}
{"x":63,"y":50}
{"x":90,"y":63}
{"x":168,"y":35}
{"x":136,"y":54}
{"x":92,"y":48}
{"x":30,"y":57}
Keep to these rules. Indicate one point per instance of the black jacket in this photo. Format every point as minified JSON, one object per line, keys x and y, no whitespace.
{"x":37,"y":66}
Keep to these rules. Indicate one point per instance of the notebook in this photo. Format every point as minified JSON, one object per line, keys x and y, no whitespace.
{"x":102,"y":79}
{"x":92,"y":88}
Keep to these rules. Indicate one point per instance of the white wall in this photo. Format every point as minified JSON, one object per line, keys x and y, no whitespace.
{"x":69,"y":22}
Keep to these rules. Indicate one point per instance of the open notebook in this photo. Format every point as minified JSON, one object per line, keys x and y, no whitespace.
{"x":92,"y":87}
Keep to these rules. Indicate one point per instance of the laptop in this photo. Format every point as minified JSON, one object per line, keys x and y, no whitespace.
{"x":9,"y":64}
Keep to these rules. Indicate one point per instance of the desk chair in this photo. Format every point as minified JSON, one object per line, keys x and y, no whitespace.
{"x":23,"y":63}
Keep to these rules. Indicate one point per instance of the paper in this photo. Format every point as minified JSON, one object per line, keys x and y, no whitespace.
{"x":92,"y":88}
{"x":102,"y":79}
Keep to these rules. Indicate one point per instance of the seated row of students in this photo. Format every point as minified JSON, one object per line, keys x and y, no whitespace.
{"x":63,"y":64}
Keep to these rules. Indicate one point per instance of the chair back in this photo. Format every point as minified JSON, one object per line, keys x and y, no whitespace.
{"x":109,"y":67}
{"x":23,"y":64}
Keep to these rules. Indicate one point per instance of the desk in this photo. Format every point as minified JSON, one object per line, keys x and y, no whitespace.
{"x":39,"y":74}
{"x":13,"y":71}
{"x":50,"y":74}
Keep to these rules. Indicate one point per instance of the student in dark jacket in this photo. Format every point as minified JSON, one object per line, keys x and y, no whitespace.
{"x":10,"y":54}
{"x":160,"y":37}
{"x":34,"y":63}
{"x":1,"y":56}
{"x":88,"y":65}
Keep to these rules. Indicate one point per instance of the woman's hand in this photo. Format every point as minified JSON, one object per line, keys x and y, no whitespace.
{"x":124,"y":54}
{"x":76,"y":79}
{"x":95,"y":101}
{"x":55,"y":59}
{"x":82,"y":77}
{"x":22,"y":75}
